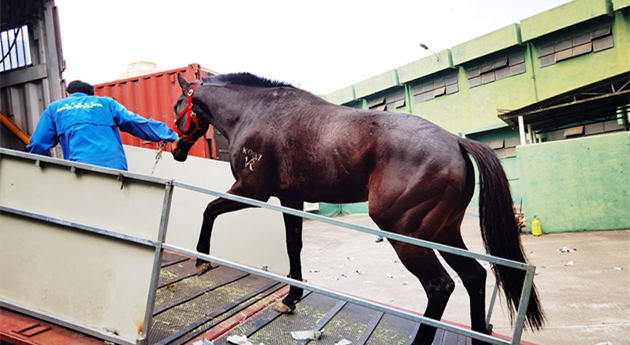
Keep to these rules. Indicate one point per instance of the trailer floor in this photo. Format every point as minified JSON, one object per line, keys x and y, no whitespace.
{"x":225,"y":302}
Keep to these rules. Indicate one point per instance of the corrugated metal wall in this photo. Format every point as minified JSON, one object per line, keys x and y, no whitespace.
{"x":153,"y":96}
{"x":28,"y":84}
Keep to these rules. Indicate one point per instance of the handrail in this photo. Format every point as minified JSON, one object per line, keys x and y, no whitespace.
{"x":386,"y":234}
{"x":15,"y":129}
{"x":525,"y":293}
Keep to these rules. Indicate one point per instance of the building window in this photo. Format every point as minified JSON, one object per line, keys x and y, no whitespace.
{"x":392,"y":101}
{"x":586,"y":130}
{"x":14,"y":48}
{"x":504,"y":148}
{"x":496,"y":70}
{"x":435,"y":88}
{"x":570,"y":47}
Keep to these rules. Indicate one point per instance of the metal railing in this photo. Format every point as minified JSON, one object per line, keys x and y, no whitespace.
{"x":160,"y":245}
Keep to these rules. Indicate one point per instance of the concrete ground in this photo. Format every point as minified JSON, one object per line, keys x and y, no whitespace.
{"x":585,"y":296}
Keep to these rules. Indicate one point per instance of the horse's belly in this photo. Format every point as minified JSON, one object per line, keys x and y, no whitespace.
{"x":330,"y":193}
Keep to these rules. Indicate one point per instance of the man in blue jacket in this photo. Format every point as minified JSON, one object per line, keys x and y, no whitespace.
{"x":87,"y":126}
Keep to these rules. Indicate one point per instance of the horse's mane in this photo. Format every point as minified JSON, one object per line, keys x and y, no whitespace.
{"x":245,"y":79}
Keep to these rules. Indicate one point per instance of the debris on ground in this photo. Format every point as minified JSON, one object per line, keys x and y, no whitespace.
{"x":405,"y":283}
{"x":368,"y":282}
{"x":350,"y":258}
{"x":567,"y":250}
{"x":239,"y":340}
{"x":343,"y":342}
{"x":570,"y":263}
{"x":313,"y":271}
{"x":203,"y":342}
{"x":359,"y":272}
{"x":617,"y":269}
{"x":172,"y":288}
{"x":606,"y":343}
{"x":307,"y":335}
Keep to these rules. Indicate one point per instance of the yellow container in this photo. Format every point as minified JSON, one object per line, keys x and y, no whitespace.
{"x":536,"y":229}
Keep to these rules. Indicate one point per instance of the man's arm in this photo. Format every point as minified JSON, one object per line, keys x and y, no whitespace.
{"x":45,"y":135}
{"x":146,"y":129}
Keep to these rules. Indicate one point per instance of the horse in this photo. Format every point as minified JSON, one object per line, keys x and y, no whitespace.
{"x":418,"y":180}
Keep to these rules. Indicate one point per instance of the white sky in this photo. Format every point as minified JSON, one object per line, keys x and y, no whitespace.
{"x":321,"y":46}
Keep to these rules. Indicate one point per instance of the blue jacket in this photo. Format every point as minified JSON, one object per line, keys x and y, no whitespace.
{"x":87,"y":129}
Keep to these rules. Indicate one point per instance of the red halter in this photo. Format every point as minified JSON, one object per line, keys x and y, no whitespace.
{"x":192,"y":117}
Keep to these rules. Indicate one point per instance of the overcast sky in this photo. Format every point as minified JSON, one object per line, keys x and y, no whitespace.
{"x":321,"y":46}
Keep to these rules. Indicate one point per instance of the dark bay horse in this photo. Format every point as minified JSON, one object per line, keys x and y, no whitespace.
{"x":418,"y":179}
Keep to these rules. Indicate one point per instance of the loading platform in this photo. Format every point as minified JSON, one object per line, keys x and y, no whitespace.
{"x":225,"y":302}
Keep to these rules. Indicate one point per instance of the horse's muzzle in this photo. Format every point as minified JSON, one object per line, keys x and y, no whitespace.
{"x":179,"y":153}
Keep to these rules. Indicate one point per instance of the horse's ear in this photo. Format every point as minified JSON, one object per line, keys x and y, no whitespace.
{"x":182,"y":82}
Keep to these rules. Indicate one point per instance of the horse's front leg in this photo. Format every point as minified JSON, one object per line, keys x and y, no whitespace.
{"x":213,"y":210}
{"x":293,"y":227}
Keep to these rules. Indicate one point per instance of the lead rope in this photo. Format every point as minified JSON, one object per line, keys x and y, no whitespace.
{"x":158,"y":155}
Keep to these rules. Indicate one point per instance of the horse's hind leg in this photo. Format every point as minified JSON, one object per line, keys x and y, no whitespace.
{"x":472,"y":274}
{"x":419,"y":209}
{"x":438,"y":285}
{"x":293,"y":227}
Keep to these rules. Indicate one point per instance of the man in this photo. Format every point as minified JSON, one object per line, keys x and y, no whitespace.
{"x":87,"y":128}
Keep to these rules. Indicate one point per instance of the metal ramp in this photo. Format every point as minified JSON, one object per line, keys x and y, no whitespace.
{"x":143,"y":288}
{"x":187,"y":306}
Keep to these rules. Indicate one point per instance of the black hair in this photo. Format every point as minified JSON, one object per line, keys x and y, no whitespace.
{"x":246,"y":79}
{"x":80,"y":86}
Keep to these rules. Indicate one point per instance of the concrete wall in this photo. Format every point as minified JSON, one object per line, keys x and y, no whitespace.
{"x":586,"y":69}
{"x":476,"y":109}
{"x":577,"y":184}
{"x":472,"y":112}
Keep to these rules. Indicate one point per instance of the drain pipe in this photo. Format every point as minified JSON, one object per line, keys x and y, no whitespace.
{"x":17,"y":131}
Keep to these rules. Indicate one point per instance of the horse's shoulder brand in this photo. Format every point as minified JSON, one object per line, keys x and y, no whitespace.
{"x":251,"y":157}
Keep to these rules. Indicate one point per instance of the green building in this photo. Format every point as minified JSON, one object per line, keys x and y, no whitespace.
{"x":551,"y":96}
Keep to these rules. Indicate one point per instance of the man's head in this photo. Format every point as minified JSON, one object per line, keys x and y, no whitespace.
{"x":79,"y":86}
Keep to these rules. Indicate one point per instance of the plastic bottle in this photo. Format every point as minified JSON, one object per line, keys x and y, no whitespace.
{"x":536,"y":229}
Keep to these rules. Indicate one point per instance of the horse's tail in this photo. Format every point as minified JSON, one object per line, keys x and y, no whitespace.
{"x":500,"y":230}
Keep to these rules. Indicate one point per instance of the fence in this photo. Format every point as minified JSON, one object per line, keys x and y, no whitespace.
{"x":145,"y":245}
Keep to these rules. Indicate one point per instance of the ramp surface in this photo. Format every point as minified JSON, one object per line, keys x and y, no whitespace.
{"x":188,"y":307}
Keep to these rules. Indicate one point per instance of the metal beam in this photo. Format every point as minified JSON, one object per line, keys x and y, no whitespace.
{"x":23,"y":75}
{"x":521,"y":130}
{"x":78,"y":226}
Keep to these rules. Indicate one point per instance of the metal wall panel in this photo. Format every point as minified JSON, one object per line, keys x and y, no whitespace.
{"x":27,"y":91}
{"x":88,"y":279}
{"x":153,"y":96}
{"x":56,"y":253}
{"x":82,"y":197}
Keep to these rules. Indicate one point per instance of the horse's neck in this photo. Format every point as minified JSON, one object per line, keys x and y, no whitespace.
{"x":227,"y":108}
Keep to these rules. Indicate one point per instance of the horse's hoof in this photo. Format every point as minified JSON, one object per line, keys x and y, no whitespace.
{"x":282,"y":308}
{"x":203,"y":268}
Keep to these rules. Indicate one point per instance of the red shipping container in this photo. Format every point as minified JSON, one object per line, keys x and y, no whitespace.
{"x":154,"y":96}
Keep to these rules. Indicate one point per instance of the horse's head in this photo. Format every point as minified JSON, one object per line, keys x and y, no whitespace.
{"x":188,"y":125}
